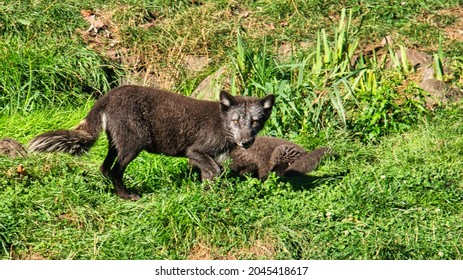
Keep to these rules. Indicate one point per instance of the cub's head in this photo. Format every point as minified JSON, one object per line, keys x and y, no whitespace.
{"x":244,"y":116}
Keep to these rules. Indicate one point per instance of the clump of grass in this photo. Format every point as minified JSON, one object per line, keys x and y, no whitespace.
{"x":36,"y":77}
{"x":302,"y":85}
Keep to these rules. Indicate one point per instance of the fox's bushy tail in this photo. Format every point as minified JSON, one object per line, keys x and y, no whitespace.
{"x":77,"y":141}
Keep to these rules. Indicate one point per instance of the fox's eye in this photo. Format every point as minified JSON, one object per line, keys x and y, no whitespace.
{"x":255,"y":123}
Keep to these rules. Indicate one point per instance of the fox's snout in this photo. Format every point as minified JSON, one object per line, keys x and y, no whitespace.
{"x":246,"y":143}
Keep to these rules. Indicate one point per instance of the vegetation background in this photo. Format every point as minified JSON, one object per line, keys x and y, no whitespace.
{"x":395,"y":190}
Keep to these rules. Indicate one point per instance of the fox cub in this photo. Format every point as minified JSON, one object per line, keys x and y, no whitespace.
{"x":271,"y":154}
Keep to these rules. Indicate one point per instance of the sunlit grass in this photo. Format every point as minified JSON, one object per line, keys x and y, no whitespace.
{"x":392,"y":192}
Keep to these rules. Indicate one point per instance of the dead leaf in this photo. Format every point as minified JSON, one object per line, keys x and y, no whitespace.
{"x":21,"y":170}
{"x":86,"y":13}
{"x":91,"y":17}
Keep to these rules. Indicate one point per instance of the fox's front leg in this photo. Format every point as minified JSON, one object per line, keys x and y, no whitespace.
{"x":208,"y":166}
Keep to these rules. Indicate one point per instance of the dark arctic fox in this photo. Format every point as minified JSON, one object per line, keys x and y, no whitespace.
{"x":269,"y":154}
{"x":139,"y":118}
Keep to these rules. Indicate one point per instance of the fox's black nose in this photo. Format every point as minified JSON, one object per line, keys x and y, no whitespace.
{"x":247,"y":143}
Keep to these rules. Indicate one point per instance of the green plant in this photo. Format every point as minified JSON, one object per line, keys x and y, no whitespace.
{"x":307,"y":89}
{"x":324,"y":89}
{"x":385,"y":111}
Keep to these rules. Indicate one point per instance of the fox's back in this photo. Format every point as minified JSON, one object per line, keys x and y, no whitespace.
{"x":153,"y":104}
{"x":165,"y":122}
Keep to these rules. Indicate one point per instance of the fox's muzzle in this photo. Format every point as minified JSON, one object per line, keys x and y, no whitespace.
{"x":246,"y":143}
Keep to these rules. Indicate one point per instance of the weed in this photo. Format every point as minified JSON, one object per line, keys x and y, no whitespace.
{"x":385,"y":110}
{"x":439,"y":62}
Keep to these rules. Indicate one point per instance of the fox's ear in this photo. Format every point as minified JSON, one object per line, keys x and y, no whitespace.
{"x":226,"y":100}
{"x":267,"y":103}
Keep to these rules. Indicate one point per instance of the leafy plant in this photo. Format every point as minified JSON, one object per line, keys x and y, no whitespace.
{"x":305,"y":89}
{"x":385,"y":111}
{"x":323,"y":88}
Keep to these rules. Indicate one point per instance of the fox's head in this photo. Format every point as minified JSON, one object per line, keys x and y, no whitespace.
{"x":244,"y":117}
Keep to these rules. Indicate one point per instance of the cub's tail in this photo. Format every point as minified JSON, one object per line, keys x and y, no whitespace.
{"x":308,"y":162}
{"x":77,"y":141}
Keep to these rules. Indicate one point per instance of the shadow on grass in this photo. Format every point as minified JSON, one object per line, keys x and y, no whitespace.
{"x":307,"y":182}
{"x":298,"y":182}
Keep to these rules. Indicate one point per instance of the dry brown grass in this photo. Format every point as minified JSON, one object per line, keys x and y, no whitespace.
{"x":28,"y":254}
{"x":163,"y":51}
{"x":259,"y":249}
{"x":455,"y":30}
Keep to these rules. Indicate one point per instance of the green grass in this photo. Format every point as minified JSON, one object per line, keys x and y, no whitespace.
{"x":393,"y":192}
{"x":43,"y":63}
{"x":401,"y":199}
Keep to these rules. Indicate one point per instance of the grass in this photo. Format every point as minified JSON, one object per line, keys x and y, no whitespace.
{"x":401,"y":199}
{"x":393,"y":192}
{"x":43,"y":64}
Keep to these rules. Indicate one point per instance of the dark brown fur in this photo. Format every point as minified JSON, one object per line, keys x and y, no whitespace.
{"x":270,"y":154}
{"x":139,"y":118}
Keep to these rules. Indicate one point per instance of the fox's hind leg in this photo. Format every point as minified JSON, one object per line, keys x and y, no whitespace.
{"x":125,"y":152}
{"x":117,"y":173}
{"x":108,"y":162}
{"x":127,"y":138}
{"x":306,"y":163}
{"x":283,"y":156}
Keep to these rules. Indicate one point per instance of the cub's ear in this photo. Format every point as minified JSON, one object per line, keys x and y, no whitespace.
{"x":226,"y":100}
{"x":267,"y":103}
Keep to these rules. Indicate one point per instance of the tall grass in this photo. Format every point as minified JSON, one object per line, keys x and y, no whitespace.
{"x":54,"y":70}
{"x":37,"y":76}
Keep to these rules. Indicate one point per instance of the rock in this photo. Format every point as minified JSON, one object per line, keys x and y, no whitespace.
{"x":439,"y":92}
{"x":416,"y":58}
{"x":210,"y":87}
{"x":195,"y":63}
{"x":11,"y":148}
